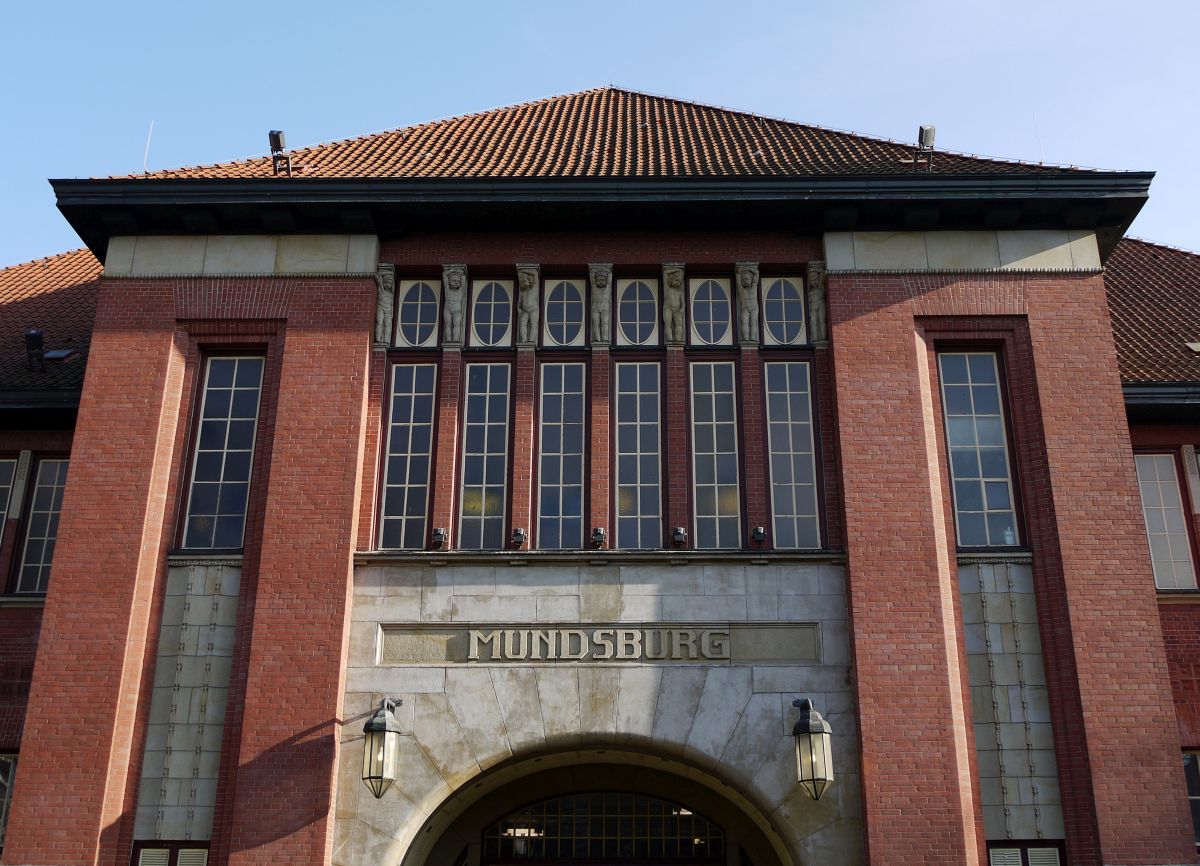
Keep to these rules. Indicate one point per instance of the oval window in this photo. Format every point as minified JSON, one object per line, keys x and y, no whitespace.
{"x":564,"y":314}
{"x":418,"y":314}
{"x":783,"y":311}
{"x":493,"y":314}
{"x":710,"y":312}
{"x":637,"y":313}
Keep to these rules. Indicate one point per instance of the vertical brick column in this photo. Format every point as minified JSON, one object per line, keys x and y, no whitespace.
{"x":915,"y":729}
{"x":445,"y":460}
{"x":1125,"y":736}
{"x":375,"y":441}
{"x":70,"y":792}
{"x":754,"y":464}
{"x":282,"y":799}
{"x":678,"y":460}
{"x":600,"y":494}
{"x":520,"y":494}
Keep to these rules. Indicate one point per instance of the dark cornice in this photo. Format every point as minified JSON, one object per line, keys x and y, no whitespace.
{"x":1162,"y":401}
{"x":1105,"y":202}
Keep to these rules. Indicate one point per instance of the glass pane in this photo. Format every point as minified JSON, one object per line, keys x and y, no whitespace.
{"x":222,"y":463}
{"x":716,"y":500}
{"x":407,"y":460}
{"x":984,"y":506}
{"x":560,"y":487}
{"x":485,"y":458}
{"x":638,"y":455}
{"x":1166,"y":526}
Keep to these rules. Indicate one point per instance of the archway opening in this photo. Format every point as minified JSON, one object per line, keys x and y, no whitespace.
{"x":481,"y":823}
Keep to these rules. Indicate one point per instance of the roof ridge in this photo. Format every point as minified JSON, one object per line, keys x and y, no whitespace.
{"x":1160,"y":245}
{"x":46,"y":259}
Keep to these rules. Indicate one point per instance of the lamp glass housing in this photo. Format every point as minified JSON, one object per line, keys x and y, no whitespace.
{"x":379,"y":760}
{"x":814,"y":751}
{"x":381,"y":748}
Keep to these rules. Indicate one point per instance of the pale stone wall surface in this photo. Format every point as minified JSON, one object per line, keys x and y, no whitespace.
{"x":178,"y":788}
{"x":1018,"y":774}
{"x":243,"y":255}
{"x":1050,"y":250}
{"x":732,"y":720}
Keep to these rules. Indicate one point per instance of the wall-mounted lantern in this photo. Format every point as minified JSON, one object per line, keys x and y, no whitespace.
{"x":381,"y":748}
{"x":814,"y":750}
{"x":519,"y":537}
{"x":599,"y":537}
{"x":440,"y":537}
{"x":679,"y":536}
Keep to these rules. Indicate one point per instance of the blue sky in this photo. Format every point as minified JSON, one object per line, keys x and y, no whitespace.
{"x":1102,"y":84}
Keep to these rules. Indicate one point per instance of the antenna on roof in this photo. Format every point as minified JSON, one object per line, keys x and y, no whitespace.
{"x":146,"y":155}
{"x":279,"y":159}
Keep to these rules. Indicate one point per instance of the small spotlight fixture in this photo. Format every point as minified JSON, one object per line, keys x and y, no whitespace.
{"x":519,"y":537}
{"x":759,"y":535}
{"x":679,"y":536}
{"x":599,"y":537}
{"x":440,"y":537}
{"x":279,"y":159}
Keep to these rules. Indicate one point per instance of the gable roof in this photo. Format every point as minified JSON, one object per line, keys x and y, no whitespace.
{"x":58,"y":295}
{"x":1154,"y":301}
{"x":608,"y":132}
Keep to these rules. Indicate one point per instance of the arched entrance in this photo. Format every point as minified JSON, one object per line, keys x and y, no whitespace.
{"x":620,"y":806}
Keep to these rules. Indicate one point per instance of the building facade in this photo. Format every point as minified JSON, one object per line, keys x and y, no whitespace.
{"x":586,"y":436}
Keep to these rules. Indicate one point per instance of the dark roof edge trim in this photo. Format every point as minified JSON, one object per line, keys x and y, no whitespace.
{"x":39,"y":399}
{"x":76,"y":192}
{"x":1161,"y":393}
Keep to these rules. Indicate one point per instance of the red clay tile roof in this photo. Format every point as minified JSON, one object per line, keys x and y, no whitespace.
{"x":607,"y":132}
{"x":1154,"y":300}
{"x":57,"y":295}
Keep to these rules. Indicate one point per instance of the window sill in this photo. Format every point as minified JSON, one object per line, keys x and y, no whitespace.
{"x":204,"y":557}
{"x":1178,"y":596}
{"x":31,"y":600}
{"x":990,"y":555}
{"x":595,"y":557}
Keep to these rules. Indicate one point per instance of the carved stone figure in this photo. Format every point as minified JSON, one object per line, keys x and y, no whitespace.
{"x":747,"y":295}
{"x":673,"y":304}
{"x":601,"y":275}
{"x":385,"y":299}
{"x":454,"y":284}
{"x":818,"y":325}
{"x":528,"y":277}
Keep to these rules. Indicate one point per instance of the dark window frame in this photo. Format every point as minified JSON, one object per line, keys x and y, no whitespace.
{"x":23,"y":522}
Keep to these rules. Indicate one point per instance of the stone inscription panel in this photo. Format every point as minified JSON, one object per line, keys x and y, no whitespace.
{"x":714,"y":643}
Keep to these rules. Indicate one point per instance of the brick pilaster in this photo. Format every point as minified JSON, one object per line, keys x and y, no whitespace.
{"x":600,"y":492}
{"x":754,"y":464}
{"x":445,"y":455}
{"x":520,"y":494}
{"x":678,"y":460}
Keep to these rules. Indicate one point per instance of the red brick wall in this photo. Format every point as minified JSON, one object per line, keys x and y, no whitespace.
{"x":600,"y":477}
{"x":1181,"y":635}
{"x":18,"y":644}
{"x":1095,"y":592}
{"x":119,"y":519}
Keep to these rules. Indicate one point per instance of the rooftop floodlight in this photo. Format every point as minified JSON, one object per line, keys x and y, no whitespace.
{"x":925,"y":137}
{"x":280,"y":161}
{"x":381,"y":748}
{"x":814,"y":750}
